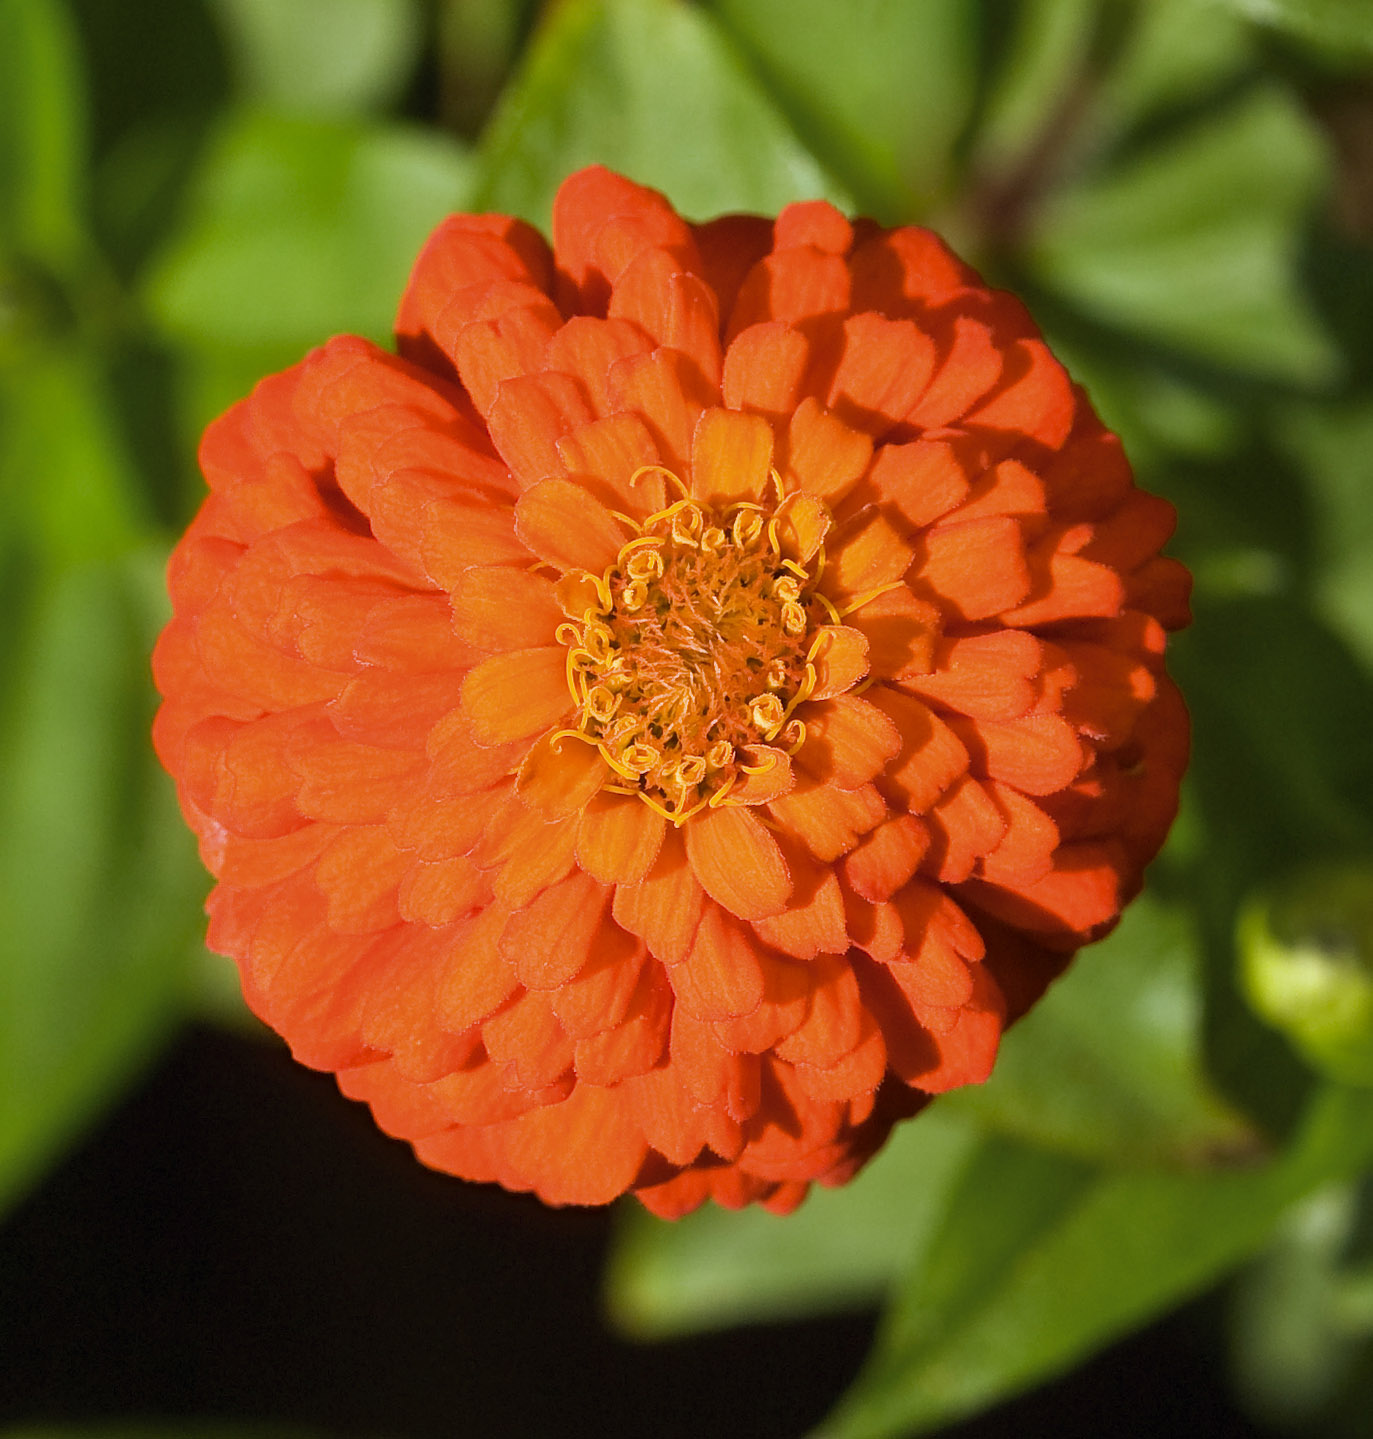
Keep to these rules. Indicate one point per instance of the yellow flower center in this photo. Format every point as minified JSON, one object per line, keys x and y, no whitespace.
{"x":687,"y":666}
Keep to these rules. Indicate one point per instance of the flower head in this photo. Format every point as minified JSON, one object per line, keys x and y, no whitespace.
{"x":655,"y":731}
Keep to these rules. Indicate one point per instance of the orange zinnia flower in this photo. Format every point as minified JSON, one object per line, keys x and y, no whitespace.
{"x":657,"y":730}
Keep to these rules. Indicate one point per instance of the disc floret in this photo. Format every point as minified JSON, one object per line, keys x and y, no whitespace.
{"x":695,"y":649}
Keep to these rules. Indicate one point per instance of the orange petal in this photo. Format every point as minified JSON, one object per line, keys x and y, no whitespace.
{"x":665,"y":907}
{"x":560,"y":774}
{"x":883,"y":369}
{"x":636,"y":1044}
{"x":475,"y":979}
{"x":551,"y":941}
{"x":1026,"y":852}
{"x":822,"y":455}
{"x":501,"y":608}
{"x":834,"y":1023}
{"x":921,"y":481}
{"x":932,"y":757}
{"x":968,"y":369}
{"x":721,"y":976}
{"x":708,"y":1069}
{"x":802,"y":524}
{"x":731,"y":455}
{"x":518,"y":693}
{"x":529,"y":416}
{"x":359,"y":874}
{"x":674,"y":307}
{"x":526,"y":1038}
{"x":829,"y":821}
{"x":990,"y":676}
{"x":1035,"y":398}
{"x":900,"y":631}
{"x":598,"y":998}
{"x":786,"y":999}
{"x":848,"y":741}
{"x":1080,"y":896}
{"x":586,"y":347}
{"x":764,"y":367}
{"x":809,"y":925}
{"x":607,"y":455}
{"x":441,"y":891}
{"x":667,"y":392}
{"x":765,"y":773}
{"x":976,"y":570}
{"x":618,"y":838}
{"x":840,"y":662}
{"x":737,"y":861}
{"x":866,"y":554}
{"x":887,"y":858}
{"x":567,"y":527}
{"x":1037,"y":754}
{"x":964,"y":826}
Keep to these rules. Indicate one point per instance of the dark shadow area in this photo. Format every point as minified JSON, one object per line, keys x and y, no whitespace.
{"x":238,"y":1241}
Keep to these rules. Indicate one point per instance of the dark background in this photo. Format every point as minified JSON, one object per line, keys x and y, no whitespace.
{"x":239,"y":1241}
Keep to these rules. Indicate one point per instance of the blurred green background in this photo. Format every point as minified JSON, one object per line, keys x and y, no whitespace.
{"x":194,"y":193}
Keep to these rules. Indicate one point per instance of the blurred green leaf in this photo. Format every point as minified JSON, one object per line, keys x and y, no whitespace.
{"x":299,"y":229}
{"x":1281,"y":713}
{"x":1332,"y":445}
{"x":1290,"y":1346}
{"x":650,"y":88}
{"x":1041,"y":1261}
{"x":1108,"y":1066}
{"x":72,"y":495}
{"x":1344,"y":23}
{"x":323,"y":56}
{"x":1040,"y":57}
{"x":880,"y":89}
{"x":42,"y":133}
{"x":99,"y":885}
{"x":1195,"y":242}
{"x":841,"y":1250}
{"x":1176,"y":52}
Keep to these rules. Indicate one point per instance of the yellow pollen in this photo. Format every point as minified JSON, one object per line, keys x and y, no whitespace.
{"x":698,"y":647}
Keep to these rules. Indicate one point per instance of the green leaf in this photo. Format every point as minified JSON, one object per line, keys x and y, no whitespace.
{"x":42,"y":133}
{"x":1039,"y":61}
{"x":1291,"y":1345}
{"x":99,"y":884}
{"x":1108,"y":1066}
{"x":1347,"y":24}
{"x":74,"y":496}
{"x":651,"y":89}
{"x":881,"y":89}
{"x":1333,"y":447}
{"x":323,"y":56}
{"x":840,"y":1250}
{"x":300,"y":229}
{"x":1195,"y":242}
{"x":1041,"y":1261}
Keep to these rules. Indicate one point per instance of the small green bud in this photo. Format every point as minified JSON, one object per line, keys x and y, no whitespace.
{"x":1306,"y":964}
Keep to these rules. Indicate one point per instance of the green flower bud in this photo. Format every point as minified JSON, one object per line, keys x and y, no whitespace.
{"x":1306,"y":963}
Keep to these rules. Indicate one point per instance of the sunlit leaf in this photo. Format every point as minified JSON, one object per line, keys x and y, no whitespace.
{"x":880,"y":89}
{"x":1041,"y":1261}
{"x":323,"y":56}
{"x":842,"y":1249}
{"x":1195,"y":242}
{"x":1109,"y":1064}
{"x":650,"y":88}
{"x":302,"y":228}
